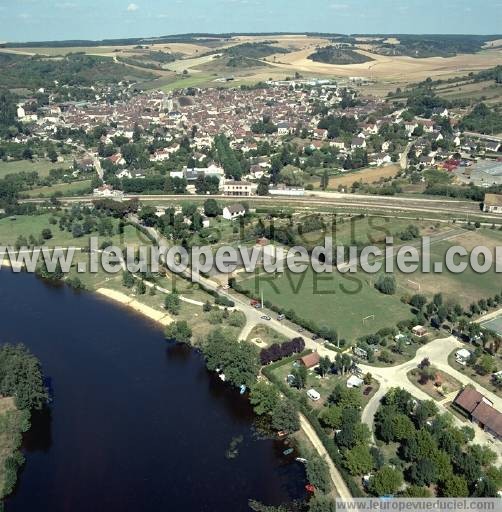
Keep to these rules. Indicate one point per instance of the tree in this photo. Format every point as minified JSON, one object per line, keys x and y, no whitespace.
{"x":141,"y":288}
{"x":172,"y":303}
{"x":418,"y":301}
{"x":331,"y":417}
{"x":264,"y":398}
{"x":238,"y":360}
{"x":21,"y":377}
{"x":318,"y":473}
{"x":179,"y":331}
{"x":211,"y":208}
{"x":291,"y":176}
{"x":127,"y":279}
{"x":454,"y":487}
{"x":300,"y":375}
{"x":486,"y":365}
{"x":424,"y":472}
{"x":386,"y":284}
{"x":285,"y":417}
{"x":386,"y":481}
{"x":325,"y":180}
{"x":263,"y":184}
{"x":359,"y":460}
{"x":46,"y":234}
{"x":324,"y":365}
{"x":321,"y":503}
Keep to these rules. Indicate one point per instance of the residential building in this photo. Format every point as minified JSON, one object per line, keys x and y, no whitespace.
{"x":493,"y":203}
{"x":233,"y":211}
{"x":237,"y":188}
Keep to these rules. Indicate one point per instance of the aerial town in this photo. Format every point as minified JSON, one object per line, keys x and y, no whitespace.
{"x":249,"y":271}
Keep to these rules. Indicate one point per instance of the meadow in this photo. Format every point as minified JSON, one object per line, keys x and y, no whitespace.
{"x":348,"y":303}
{"x":41,"y":167}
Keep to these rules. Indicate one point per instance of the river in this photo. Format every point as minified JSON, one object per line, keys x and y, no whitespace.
{"x":136,"y":423}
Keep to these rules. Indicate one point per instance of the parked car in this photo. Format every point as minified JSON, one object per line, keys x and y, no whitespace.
{"x":280,"y":318}
{"x":265,"y":317}
{"x":315,"y":337}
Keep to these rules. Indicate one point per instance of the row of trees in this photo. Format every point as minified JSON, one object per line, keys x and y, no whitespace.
{"x":279,"y":351}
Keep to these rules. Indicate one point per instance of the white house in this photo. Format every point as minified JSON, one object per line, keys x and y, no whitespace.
{"x":107,"y":191}
{"x":233,"y":211}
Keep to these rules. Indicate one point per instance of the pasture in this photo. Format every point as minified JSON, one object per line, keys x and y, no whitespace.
{"x":41,"y":167}
{"x":347,"y":302}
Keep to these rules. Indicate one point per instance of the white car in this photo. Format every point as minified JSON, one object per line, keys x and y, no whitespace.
{"x":313,"y":395}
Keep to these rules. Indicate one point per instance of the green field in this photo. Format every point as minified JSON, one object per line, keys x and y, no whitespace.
{"x":465,"y":287}
{"x":195,"y":80}
{"x":73,"y":188}
{"x":334,"y":300}
{"x":41,"y":167}
{"x":26,"y":225}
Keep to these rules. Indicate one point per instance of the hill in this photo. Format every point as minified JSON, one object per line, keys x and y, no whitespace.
{"x":339,"y":56}
{"x":18,"y":71}
{"x":423,"y":46}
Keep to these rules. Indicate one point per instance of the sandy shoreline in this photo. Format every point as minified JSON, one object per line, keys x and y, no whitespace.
{"x":157,"y":316}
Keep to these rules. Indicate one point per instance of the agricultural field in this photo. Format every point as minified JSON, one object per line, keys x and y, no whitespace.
{"x":41,"y":167}
{"x":385,"y":71}
{"x":368,"y":175}
{"x":485,"y":91}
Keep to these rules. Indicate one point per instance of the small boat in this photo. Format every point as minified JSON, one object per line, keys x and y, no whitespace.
{"x":281,"y":434}
{"x":222,"y":377}
{"x":289,"y":451}
{"x":301,"y":460}
{"x":310,"y":488}
{"x":243,"y":389}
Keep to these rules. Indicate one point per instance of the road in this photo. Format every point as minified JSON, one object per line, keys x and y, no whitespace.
{"x":340,"y":487}
{"x":437,"y":352}
{"x":483,"y":136}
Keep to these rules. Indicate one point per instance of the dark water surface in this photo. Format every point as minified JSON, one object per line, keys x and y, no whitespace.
{"x":136,"y":424}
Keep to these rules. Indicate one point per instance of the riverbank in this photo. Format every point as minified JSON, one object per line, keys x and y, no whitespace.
{"x":157,"y":316}
{"x":10,"y":441}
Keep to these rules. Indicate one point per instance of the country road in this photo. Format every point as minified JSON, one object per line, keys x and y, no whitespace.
{"x":340,"y":487}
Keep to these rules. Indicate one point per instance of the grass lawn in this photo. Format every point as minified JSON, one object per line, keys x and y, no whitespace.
{"x":73,"y":188}
{"x":194,"y":80}
{"x":349,"y":229}
{"x":12,"y":227}
{"x":324,"y":386}
{"x":465,"y":287}
{"x":448,"y":384}
{"x":334,"y":300}
{"x":41,"y":167}
{"x":266,"y":334}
